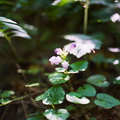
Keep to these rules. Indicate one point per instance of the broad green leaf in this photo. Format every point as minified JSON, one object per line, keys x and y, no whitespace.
{"x":7,"y":94}
{"x":117,"y":80}
{"x":60,"y":69}
{"x":54,"y":95}
{"x":58,"y":78}
{"x":80,"y":66}
{"x":84,"y":44}
{"x":106,"y":101}
{"x":39,"y":97}
{"x":98,"y":80}
{"x":61,"y":114}
{"x":76,"y":98}
{"x":37,"y":117}
{"x":87,"y":90}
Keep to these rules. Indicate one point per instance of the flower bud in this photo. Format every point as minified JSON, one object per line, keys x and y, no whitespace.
{"x":55,"y":60}
{"x":65,"y":64}
{"x":58,"y":51}
{"x":72,"y":47}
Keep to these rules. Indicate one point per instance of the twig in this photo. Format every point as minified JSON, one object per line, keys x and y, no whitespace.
{"x":20,"y":98}
{"x":24,"y":108}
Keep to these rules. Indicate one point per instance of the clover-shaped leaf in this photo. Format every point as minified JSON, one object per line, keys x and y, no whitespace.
{"x":87,"y":90}
{"x":61,"y":114}
{"x":54,"y":95}
{"x":79,"y":66}
{"x":106,"y":101}
{"x":98,"y":80}
{"x":76,"y":98}
{"x":58,"y":78}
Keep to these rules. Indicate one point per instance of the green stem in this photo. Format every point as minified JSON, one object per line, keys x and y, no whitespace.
{"x":71,"y":87}
{"x":86,"y":16}
{"x":20,"y":98}
{"x":12,"y":46}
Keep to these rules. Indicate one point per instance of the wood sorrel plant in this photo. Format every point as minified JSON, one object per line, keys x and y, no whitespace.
{"x":56,"y":94}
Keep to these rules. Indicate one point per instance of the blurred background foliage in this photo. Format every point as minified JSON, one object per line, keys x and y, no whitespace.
{"x":46,"y":21}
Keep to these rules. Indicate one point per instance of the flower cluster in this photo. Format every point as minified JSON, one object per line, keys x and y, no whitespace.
{"x":61,"y":58}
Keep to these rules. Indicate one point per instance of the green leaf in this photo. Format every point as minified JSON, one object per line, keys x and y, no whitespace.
{"x":37,"y":117}
{"x":5,"y":101}
{"x":61,"y":114}
{"x":76,"y":98}
{"x":102,"y":2}
{"x":3,"y":19}
{"x":7,"y":94}
{"x":98,"y":80}
{"x":60,"y":69}
{"x":9,"y":28}
{"x":80,"y":66}
{"x":58,"y":78}
{"x":106,"y":101}
{"x":61,"y":2}
{"x":87,"y":90}
{"x":73,"y":71}
{"x":39,"y":97}
{"x":117,"y":80}
{"x":84,"y":44}
{"x":54,"y":95}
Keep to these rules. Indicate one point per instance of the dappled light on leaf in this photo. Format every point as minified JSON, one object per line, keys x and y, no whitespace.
{"x":84,"y":44}
{"x":116,"y":50}
{"x":8,"y":24}
{"x":54,"y":95}
{"x":61,"y":114}
{"x":75,"y":98}
{"x":98,"y":80}
{"x":115,"y":17}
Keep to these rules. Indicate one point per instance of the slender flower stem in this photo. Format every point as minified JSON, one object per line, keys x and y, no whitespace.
{"x":86,"y":16}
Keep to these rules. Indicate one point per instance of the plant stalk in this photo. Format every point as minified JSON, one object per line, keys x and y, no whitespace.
{"x":12,"y":46}
{"x":86,"y":6}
